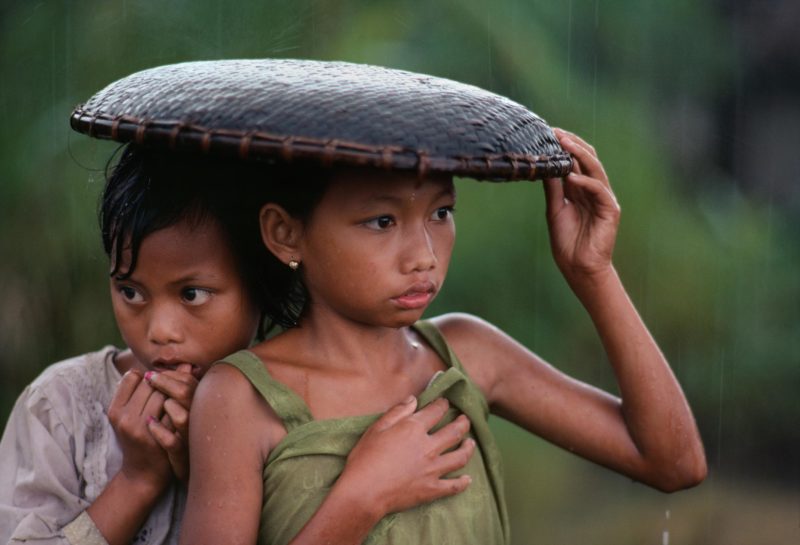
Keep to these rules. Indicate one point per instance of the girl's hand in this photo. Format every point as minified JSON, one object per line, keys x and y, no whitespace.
{"x":582,"y":214}
{"x":144,"y":461}
{"x":399,"y":463}
{"x":172,"y":430}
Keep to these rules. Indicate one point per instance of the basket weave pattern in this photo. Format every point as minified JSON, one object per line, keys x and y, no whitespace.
{"x":326,"y":112}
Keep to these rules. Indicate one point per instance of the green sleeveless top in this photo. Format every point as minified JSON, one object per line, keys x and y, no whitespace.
{"x":301,"y":469}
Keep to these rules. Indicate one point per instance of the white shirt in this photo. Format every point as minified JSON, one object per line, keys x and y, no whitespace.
{"x":59,"y":451}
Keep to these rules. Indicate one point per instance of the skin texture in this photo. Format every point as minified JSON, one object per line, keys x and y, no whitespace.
{"x":183,"y":308}
{"x":373,"y":254}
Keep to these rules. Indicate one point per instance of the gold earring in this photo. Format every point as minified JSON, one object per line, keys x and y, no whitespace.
{"x":294,"y":264}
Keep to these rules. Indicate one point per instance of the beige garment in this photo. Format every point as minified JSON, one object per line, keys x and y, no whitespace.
{"x":59,"y":451}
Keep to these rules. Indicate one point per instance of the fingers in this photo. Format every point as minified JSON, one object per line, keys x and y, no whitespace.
{"x":396,"y":414}
{"x":554,"y":196}
{"x":173,"y":444}
{"x":561,"y":134}
{"x":587,"y":161}
{"x":431,"y":414}
{"x":457,"y":459}
{"x":450,"y":435}
{"x":168,"y":440}
{"x":135,"y":396}
{"x":176,"y":417}
{"x":451,"y":487}
{"x":177,"y":384}
{"x":592,"y":193}
{"x":127,"y":386}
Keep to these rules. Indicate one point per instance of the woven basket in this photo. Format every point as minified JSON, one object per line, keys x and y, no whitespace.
{"x":331,"y":113}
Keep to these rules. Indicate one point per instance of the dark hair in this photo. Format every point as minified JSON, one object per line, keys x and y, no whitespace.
{"x":149,"y":190}
{"x":297,"y":189}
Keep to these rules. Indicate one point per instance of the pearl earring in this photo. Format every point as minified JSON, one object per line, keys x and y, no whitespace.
{"x":294,"y":264}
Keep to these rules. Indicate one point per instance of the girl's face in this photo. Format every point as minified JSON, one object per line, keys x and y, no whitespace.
{"x":185,"y":301}
{"x":376,"y":249}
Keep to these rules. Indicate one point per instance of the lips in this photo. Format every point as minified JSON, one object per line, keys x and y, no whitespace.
{"x":419,"y":295}
{"x":173,"y":365}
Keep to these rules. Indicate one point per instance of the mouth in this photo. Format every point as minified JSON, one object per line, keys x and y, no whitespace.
{"x":417,"y":296}
{"x":175,"y":365}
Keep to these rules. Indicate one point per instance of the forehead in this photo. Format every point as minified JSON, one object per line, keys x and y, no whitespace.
{"x":355,"y":187}
{"x":183,"y":245}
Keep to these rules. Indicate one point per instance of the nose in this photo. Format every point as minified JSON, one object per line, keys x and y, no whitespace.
{"x":164,"y":326}
{"x":419,"y":253}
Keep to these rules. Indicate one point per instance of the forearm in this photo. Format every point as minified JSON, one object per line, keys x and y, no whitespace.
{"x":122,"y":508}
{"x":654,"y":408}
{"x":344,"y":518}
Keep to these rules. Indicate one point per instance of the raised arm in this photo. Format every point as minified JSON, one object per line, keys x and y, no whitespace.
{"x":648,"y":433}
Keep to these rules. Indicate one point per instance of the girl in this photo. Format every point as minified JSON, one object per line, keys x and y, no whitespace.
{"x":95,"y":449}
{"x":273,"y":429}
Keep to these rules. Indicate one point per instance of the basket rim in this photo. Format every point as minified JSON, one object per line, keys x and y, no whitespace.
{"x":177,"y":135}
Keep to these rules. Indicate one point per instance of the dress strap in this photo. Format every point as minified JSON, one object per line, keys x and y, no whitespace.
{"x":289,"y":407}
{"x":434,"y":337}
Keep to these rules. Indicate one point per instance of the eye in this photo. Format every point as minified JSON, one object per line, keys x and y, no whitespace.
{"x":195,"y":296}
{"x":442,"y":213}
{"x":131,"y":294}
{"x":380,"y":223}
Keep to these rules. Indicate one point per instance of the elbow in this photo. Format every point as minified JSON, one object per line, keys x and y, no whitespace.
{"x":688,"y":472}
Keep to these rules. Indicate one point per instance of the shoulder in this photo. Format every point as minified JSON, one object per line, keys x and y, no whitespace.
{"x":87,"y":379}
{"x":224,"y":388}
{"x":461,"y":327}
{"x":227,"y":404}
{"x":63,"y":411}
{"x":474,"y":341}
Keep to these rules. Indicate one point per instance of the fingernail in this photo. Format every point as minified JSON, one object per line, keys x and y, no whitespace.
{"x":148,"y":376}
{"x":409,"y":399}
{"x":151,"y":419}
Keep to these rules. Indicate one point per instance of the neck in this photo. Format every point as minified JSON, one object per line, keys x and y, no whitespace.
{"x":346,"y":345}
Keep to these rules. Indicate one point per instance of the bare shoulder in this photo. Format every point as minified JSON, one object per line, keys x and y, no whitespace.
{"x":465,"y":330}
{"x":227,"y":403}
{"x":222,"y":386}
{"x":475,"y":341}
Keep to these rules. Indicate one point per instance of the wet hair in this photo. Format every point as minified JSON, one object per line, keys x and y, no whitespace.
{"x":149,"y":190}
{"x":299,"y":191}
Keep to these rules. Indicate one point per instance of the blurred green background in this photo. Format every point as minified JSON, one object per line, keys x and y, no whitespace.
{"x":694,"y":108}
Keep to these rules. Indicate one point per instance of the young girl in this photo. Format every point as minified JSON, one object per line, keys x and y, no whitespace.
{"x":95,"y":449}
{"x":274,"y":428}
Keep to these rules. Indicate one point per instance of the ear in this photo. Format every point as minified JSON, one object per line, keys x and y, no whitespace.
{"x":281,"y":232}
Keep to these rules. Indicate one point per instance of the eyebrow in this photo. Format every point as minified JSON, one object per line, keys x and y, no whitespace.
{"x":194,"y":278}
{"x":392,"y":199}
{"x":191,"y":278}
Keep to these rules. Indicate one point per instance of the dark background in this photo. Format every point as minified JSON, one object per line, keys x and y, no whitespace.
{"x":694,"y":109}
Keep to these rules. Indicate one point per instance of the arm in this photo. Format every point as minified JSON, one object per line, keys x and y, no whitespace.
{"x":230,"y":436}
{"x":649,"y":433}
{"x":41,"y":489}
{"x":130,"y":495}
{"x":396,"y":465}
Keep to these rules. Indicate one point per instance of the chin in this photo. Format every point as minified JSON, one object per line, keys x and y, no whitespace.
{"x":406,"y":319}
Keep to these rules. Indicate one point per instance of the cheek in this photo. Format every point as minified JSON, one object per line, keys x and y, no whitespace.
{"x":445,"y":240}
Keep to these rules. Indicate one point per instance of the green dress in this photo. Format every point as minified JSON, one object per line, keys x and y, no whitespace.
{"x":302,"y":468}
